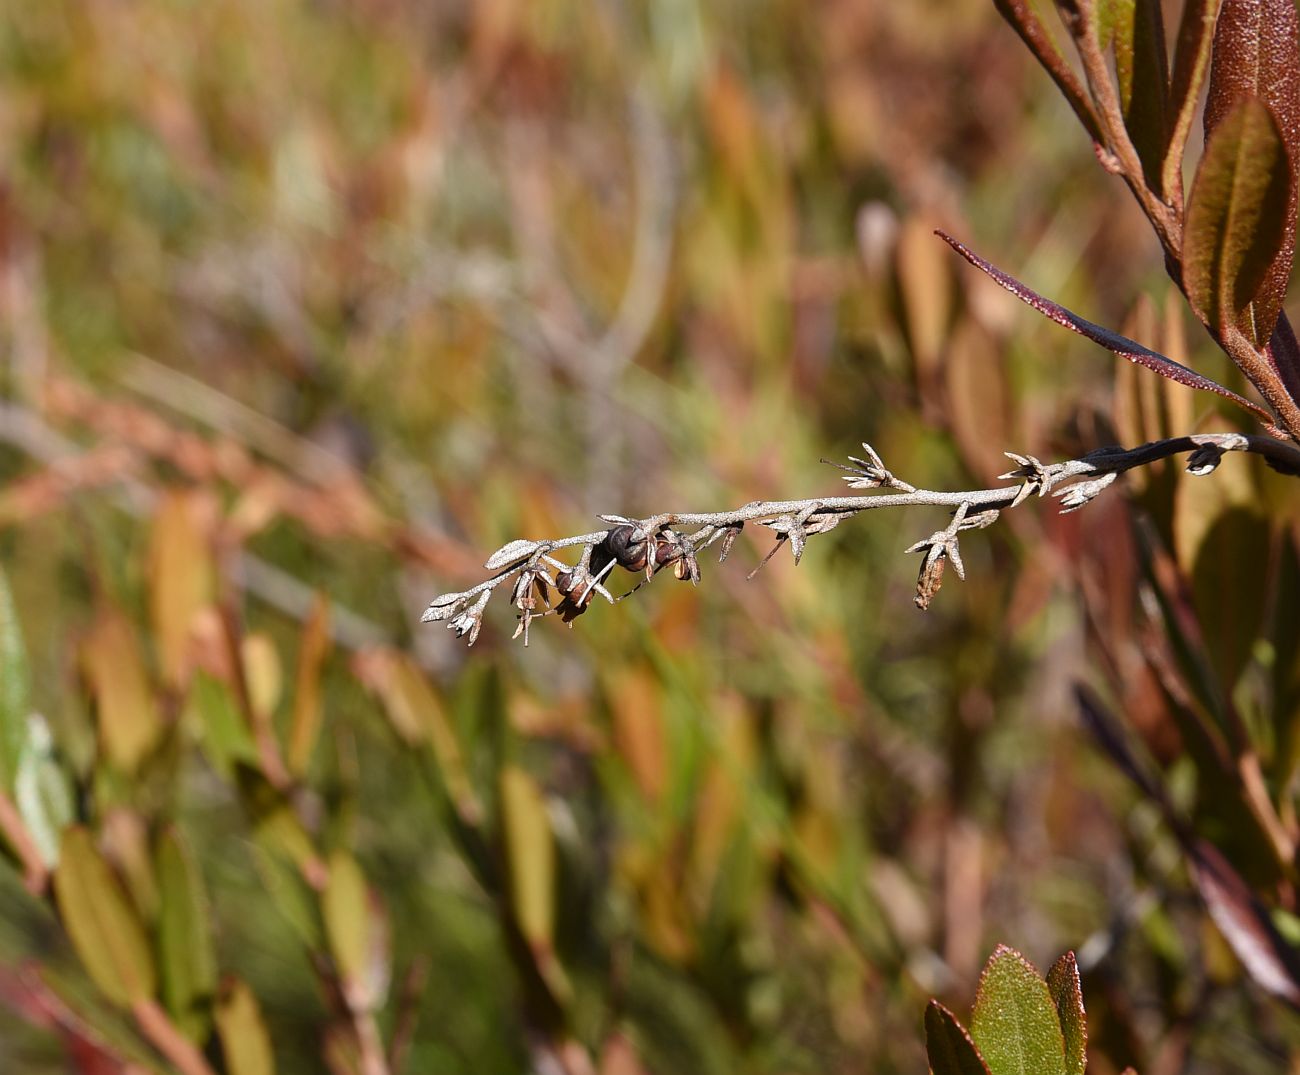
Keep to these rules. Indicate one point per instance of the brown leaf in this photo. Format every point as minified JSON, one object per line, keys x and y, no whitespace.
{"x":1245,"y":923}
{"x":129,"y":722}
{"x":181,"y":579}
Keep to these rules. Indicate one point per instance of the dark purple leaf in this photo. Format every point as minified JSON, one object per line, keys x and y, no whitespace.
{"x":1284,"y":354}
{"x":1113,"y":738}
{"x":1112,"y":341}
{"x":948,"y":1046}
{"x":1257,"y":54}
{"x":1021,"y":16}
{"x":1244,"y":923}
{"x":1237,"y":215}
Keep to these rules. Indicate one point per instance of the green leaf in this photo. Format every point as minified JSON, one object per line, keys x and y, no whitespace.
{"x":1067,"y":993}
{"x":948,"y":1046}
{"x":1014,"y":1022}
{"x":289,"y":891}
{"x":245,"y":1041}
{"x":188,"y":963}
{"x":225,"y":736}
{"x":1236,"y":220}
{"x":15,"y":687}
{"x":103,"y":927}
{"x":42,"y":790}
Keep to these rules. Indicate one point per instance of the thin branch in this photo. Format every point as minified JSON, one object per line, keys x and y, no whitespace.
{"x":657,"y":542}
{"x":180,"y":1052}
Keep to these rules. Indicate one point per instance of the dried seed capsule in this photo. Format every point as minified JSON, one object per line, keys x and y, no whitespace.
{"x":667,"y":552}
{"x":628,"y":553}
{"x":572,"y":584}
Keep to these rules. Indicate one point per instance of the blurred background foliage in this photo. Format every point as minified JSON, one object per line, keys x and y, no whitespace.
{"x":307,"y":306}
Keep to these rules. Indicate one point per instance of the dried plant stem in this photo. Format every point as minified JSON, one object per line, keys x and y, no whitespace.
{"x":658,"y":541}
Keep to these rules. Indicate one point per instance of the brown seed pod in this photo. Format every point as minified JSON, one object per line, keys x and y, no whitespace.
{"x":572,"y":584}
{"x":628,"y":553}
{"x":666,"y":552}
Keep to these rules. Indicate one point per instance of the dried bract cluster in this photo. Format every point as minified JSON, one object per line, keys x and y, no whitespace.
{"x":673,"y":541}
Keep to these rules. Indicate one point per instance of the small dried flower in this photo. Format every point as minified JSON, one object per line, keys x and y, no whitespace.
{"x":930,"y":577}
{"x":470,"y":622}
{"x":1073,"y":497}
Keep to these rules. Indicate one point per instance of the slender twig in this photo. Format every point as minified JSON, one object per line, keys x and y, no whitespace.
{"x":659,"y":541}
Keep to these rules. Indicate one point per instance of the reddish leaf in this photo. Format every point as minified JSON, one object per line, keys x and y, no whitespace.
{"x":948,"y":1045}
{"x":1023,"y":20}
{"x":1112,"y":341}
{"x":1245,"y":924}
{"x":1067,"y":993}
{"x":1257,"y":54}
{"x":1236,"y":216}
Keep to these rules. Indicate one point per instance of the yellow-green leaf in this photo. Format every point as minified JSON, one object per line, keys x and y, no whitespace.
{"x":1236,"y":219}
{"x":245,"y":1041}
{"x":129,"y":723}
{"x":312,"y":651}
{"x":103,"y":927}
{"x":530,"y":854}
{"x":1014,"y":1023}
{"x":355,"y":929}
{"x":188,"y":963}
{"x":263,"y":674}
